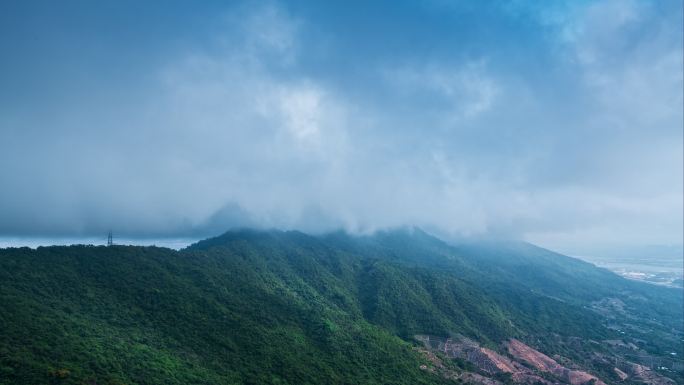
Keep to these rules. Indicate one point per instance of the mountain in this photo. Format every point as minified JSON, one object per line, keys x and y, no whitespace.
{"x":273,"y":307}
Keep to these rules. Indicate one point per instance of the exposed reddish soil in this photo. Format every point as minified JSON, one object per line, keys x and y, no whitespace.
{"x":519,"y":373}
{"x":500,"y":362}
{"x":544,"y":363}
{"x":491,"y":362}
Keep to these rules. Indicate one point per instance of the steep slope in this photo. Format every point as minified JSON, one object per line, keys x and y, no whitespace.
{"x":545,"y":292}
{"x":403,"y":299}
{"x":554,"y":301}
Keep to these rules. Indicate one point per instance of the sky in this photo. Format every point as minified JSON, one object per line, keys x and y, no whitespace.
{"x":558,"y":123}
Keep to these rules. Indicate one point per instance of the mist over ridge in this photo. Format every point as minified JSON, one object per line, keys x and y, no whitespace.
{"x":553,"y":126}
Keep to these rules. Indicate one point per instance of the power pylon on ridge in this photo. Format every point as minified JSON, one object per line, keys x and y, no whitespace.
{"x":110,"y":241}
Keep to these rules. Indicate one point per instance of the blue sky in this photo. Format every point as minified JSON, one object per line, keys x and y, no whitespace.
{"x":555,"y":122}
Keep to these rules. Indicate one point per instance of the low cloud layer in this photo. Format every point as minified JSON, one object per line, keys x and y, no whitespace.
{"x":560,"y":125}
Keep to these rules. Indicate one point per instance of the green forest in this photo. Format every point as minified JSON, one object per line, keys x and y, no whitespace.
{"x":273,"y":307}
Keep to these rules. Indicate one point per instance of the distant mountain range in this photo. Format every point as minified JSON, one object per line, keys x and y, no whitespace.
{"x":273,"y":307}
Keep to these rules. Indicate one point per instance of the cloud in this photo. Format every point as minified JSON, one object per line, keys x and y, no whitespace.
{"x":467,"y":90}
{"x":259,"y":127}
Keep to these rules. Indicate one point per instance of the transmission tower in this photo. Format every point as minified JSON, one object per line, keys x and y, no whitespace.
{"x":110,"y":242}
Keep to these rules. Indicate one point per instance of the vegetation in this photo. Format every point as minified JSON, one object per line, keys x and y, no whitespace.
{"x":275,"y":307}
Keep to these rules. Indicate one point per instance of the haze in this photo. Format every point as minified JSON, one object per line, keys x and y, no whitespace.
{"x":559,"y":123}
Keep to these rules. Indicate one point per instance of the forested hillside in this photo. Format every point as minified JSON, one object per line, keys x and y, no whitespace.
{"x":289,"y":308}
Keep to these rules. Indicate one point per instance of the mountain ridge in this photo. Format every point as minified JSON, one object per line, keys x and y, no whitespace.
{"x":255,"y":306}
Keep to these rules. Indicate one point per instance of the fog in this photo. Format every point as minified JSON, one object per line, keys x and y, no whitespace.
{"x":560,"y":125}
